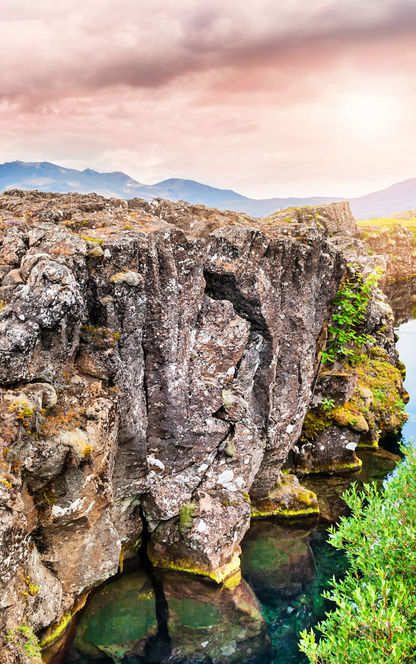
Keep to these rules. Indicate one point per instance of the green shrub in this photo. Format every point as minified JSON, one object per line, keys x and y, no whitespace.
{"x":351,"y":304}
{"x":374,"y":619}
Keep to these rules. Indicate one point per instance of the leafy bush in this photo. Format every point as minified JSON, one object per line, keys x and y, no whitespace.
{"x":351,"y":304}
{"x":374,"y":620}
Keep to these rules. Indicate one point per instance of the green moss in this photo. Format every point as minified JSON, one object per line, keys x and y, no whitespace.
{"x":287,"y":500}
{"x":386,"y":412}
{"x":27,"y":643}
{"x":334,"y":468}
{"x":316,"y":421}
{"x":230,"y":449}
{"x":186,"y":518}
{"x":218,"y":575}
{"x":378,"y":352}
{"x":385,"y":382}
{"x":54,"y":632}
{"x":57,"y":631}
{"x":32,"y":589}
{"x":284,"y":512}
{"x":373,"y":445}
{"x":402,"y":368}
{"x":91,"y":239}
{"x":25,"y":414}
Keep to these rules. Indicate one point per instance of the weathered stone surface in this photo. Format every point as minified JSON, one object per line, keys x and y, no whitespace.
{"x":205,"y":538}
{"x":333,"y":450}
{"x":335,"y":385}
{"x":288,"y":500}
{"x":173,"y":368}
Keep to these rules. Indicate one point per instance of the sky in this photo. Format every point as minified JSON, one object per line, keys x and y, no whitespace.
{"x":270,"y":98}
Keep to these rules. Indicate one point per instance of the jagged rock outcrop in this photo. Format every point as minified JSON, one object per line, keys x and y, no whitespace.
{"x":392,"y":247}
{"x":156,"y":363}
{"x":358,"y":401}
{"x":402,"y":298}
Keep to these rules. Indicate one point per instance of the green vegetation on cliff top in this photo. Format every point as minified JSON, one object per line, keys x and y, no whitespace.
{"x":378,"y":225}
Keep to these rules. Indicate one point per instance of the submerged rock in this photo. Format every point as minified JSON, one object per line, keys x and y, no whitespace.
{"x":209,"y":624}
{"x":277,"y":562}
{"x":118,"y":621}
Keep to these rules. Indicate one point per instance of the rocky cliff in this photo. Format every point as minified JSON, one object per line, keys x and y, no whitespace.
{"x":393,"y":247}
{"x":157,"y":361}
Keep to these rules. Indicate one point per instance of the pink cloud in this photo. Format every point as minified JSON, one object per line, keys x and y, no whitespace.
{"x":220,"y":92}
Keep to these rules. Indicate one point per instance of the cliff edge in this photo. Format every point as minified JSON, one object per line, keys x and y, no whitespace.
{"x":157,"y":361}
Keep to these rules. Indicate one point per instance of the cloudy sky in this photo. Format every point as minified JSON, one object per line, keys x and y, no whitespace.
{"x":271,"y":98}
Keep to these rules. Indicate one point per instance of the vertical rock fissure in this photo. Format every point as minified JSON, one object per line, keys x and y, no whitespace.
{"x":158,"y":647}
{"x":224,"y":287}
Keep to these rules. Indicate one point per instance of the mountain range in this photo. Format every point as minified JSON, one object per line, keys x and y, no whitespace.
{"x":45,"y":176}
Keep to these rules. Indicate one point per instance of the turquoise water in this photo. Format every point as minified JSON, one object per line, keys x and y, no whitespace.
{"x":402,"y":297}
{"x":165,"y":617}
{"x":406,"y":346}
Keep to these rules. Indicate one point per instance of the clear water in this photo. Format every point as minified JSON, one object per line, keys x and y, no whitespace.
{"x":402,"y":298}
{"x":147,"y":616}
{"x":406,"y":346}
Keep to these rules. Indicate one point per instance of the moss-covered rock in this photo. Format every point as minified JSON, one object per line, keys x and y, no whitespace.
{"x":345,"y":418}
{"x":332,"y":451}
{"x":374,"y":410}
{"x":288,"y":500}
{"x":203,"y":539}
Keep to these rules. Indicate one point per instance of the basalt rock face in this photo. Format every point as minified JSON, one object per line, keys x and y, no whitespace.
{"x":357,"y":401}
{"x":156,"y":362}
{"x":393,"y":248}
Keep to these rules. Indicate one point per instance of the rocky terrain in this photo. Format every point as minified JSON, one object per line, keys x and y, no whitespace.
{"x":393,"y":247}
{"x":157,"y":361}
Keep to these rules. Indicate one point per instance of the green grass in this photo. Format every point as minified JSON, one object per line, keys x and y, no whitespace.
{"x":378,"y":225}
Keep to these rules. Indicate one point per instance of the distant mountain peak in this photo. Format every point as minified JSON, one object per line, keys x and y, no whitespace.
{"x":47,"y":176}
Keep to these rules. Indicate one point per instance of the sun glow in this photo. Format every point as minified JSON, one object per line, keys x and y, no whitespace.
{"x":369,"y":116}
